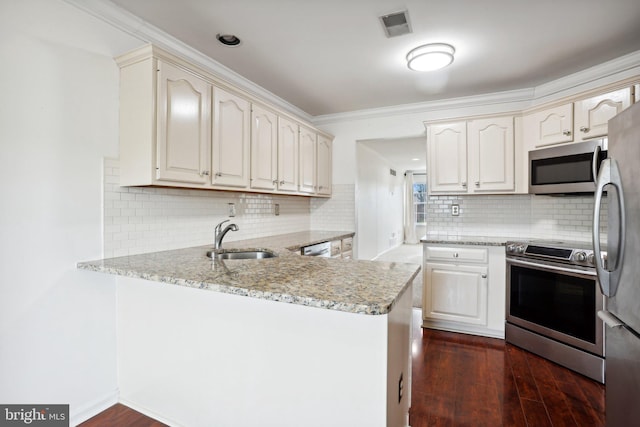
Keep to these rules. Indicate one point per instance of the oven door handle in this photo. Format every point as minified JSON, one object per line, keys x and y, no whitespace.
{"x":609,"y":175}
{"x":547,"y":267}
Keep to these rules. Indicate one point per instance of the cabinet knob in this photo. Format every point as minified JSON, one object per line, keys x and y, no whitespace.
{"x":455,"y":254}
{"x":566,"y":132}
{"x":464,"y":184}
{"x":584,"y":129}
{"x":484,"y":276}
{"x":477,"y":183}
{"x":218,"y":174}
{"x":204,"y":173}
{"x":275,"y":182}
{"x":282,"y":182}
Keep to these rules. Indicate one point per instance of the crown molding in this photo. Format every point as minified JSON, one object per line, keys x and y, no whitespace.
{"x":615,"y":69}
{"x":147,"y":33}
{"x":512,"y":96}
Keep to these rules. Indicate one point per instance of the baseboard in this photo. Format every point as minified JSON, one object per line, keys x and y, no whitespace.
{"x":93,"y":408}
{"x":463,"y":329}
{"x":149,"y":413}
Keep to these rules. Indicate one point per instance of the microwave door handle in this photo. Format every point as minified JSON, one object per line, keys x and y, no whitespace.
{"x":609,"y":175}
{"x":595,"y":163}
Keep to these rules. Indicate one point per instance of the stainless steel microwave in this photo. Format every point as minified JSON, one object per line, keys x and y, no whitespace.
{"x":566,"y":169}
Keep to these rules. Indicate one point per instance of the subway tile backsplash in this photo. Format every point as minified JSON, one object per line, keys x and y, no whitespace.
{"x":145,"y":219}
{"x":517,"y":216}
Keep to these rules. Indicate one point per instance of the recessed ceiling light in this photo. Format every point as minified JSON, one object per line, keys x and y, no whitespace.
{"x":228,"y":39}
{"x":430,"y":57}
{"x":415,"y":159}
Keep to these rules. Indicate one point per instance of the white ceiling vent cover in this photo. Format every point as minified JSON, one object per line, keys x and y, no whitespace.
{"x":396,"y":24}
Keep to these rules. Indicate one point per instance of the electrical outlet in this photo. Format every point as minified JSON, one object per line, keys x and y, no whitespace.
{"x":276,"y":209}
{"x":232,"y":209}
{"x":455,"y":210}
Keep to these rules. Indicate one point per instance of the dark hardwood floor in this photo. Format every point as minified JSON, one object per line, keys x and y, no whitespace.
{"x":466,"y":381}
{"x":463,"y":380}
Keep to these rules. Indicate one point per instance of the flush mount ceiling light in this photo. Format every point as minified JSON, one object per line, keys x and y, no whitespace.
{"x":228,"y":39}
{"x":430,"y":57}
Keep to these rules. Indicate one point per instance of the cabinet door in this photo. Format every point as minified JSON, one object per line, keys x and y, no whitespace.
{"x":636,"y":89}
{"x":183,"y":126}
{"x":455,"y":293}
{"x":307,"y":160}
{"x":324,"y":165}
{"x":552,"y":126}
{"x":491,"y":154}
{"x":593,"y":114}
{"x":264,"y":148}
{"x":231,"y":139}
{"x":287,"y":155}
{"x":447,"y":148}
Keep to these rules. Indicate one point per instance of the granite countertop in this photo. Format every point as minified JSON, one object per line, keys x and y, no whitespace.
{"x":466,"y":240}
{"x":363,"y":287}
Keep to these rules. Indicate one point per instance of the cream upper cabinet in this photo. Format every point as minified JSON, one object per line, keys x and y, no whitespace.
{"x":592,"y":114}
{"x":472,"y":157}
{"x":447,"y":150}
{"x":551,"y":126}
{"x":491,"y":159}
{"x":231,"y":139}
{"x":288,"y":134}
{"x":307,"y":165}
{"x":264,"y":148}
{"x":183,"y":119}
{"x":323,"y":165}
{"x":574,"y":122}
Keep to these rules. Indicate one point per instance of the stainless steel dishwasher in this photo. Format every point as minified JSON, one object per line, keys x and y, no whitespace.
{"x":320,"y":249}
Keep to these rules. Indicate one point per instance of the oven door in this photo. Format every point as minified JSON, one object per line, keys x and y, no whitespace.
{"x":557,"y":301}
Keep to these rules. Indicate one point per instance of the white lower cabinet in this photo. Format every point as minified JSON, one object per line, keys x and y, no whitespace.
{"x":464,"y":289}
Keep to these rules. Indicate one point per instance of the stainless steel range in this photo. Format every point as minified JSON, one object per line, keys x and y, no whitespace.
{"x":553,"y":298}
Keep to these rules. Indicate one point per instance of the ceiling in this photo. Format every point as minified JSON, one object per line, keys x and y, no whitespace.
{"x":332,"y":56}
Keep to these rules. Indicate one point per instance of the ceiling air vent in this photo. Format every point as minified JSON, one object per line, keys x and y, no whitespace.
{"x":396,"y":24}
{"x":392,"y":172}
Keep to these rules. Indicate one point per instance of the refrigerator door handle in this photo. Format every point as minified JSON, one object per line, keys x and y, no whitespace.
{"x":609,"y":175}
{"x":594,"y":163}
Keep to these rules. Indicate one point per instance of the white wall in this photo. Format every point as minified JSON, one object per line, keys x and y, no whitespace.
{"x":58,"y":119}
{"x":378,"y":204}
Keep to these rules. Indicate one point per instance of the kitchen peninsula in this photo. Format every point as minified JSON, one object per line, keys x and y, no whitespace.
{"x":284,"y":341}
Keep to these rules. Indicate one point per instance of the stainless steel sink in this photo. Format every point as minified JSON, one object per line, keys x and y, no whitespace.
{"x":240,"y":254}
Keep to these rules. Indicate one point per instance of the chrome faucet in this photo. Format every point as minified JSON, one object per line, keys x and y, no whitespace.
{"x":220,"y":233}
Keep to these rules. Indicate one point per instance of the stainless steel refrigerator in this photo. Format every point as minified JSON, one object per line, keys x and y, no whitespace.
{"x":619,"y":277}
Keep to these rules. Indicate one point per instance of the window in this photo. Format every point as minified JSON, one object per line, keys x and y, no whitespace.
{"x":420,"y":198}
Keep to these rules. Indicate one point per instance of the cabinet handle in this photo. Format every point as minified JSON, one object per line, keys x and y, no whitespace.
{"x":477,"y":183}
{"x":566,"y":132}
{"x":484,"y":276}
{"x":464,"y":184}
{"x":282,"y":182}
{"x":275,"y":182}
{"x":204,"y":173}
{"x":455,"y":254}
{"x":584,"y":129}
{"x":218,"y":174}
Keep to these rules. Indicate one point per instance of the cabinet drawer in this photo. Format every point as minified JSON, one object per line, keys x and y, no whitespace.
{"x":347,"y":244}
{"x":459,"y":254}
